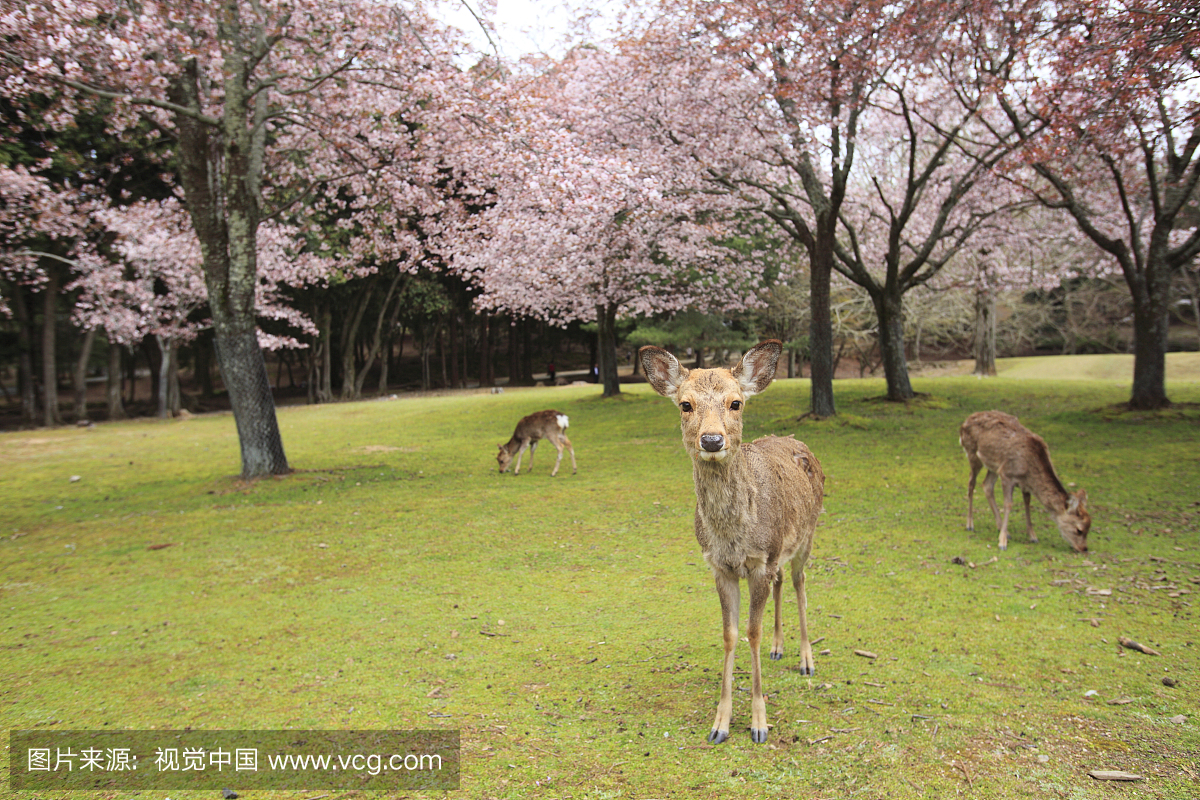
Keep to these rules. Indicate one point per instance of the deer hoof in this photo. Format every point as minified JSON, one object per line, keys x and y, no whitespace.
{"x":716,"y":737}
{"x":776,"y":655}
{"x":759,"y":735}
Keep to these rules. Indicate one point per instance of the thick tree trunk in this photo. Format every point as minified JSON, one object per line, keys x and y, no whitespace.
{"x":221,"y":178}
{"x":245,"y":375}
{"x":985,"y":332}
{"x":116,"y":409}
{"x":889,"y":309}
{"x":821,"y":333}
{"x":50,"y":414}
{"x":79,"y":375}
{"x":1151,"y":299}
{"x":606,"y":348}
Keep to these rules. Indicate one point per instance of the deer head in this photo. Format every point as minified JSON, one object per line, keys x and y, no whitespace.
{"x":710,"y":401}
{"x":1074,"y":522}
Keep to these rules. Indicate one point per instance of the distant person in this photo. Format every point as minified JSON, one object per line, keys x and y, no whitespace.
{"x":550,"y":371}
{"x":595,"y":373}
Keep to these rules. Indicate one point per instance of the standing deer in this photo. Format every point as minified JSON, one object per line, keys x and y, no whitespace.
{"x":1019,"y":457}
{"x":549,"y":425}
{"x":756,"y":506}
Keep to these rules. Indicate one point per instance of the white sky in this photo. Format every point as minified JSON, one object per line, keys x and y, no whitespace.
{"x":525,"y":26}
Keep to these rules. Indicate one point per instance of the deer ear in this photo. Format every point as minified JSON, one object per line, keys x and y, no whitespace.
{"x":757,"y":368}
{"x":663,"y":370}
{"x":1077,"y":500}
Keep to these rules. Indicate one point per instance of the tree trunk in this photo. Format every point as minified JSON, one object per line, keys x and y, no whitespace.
{"x":1151,"y":304}
{"x":527,"y":351}
{"x":606,"y":348}
{"x":166,"y":351}
{"x":821,"y":333}
{"x":204,"y":350}
{"x":50,"y":415}
{"x":351,"y":386}
{"x":244,"y":373}
{"x":377,"y":337}
{"x":116,"y":409}
{"x":325,"y":386}
{"x":485,"y":351}
{"x":79,"y":376}
{"x":26,"y":384}
{"x":221,"y":178}
{"x":985,"y":332}
{"x":150,"y":349}
{"x":452,"y":340}
{"x":889,"y":307}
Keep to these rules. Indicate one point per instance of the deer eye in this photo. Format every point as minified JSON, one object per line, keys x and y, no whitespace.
{"x":685,"y":407}
{"x":736,"y":405}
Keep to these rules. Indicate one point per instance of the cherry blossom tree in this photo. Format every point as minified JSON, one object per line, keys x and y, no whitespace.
{"x":263,"y":100}
{"x":593,"y":215}
{"x":155,"y":286}
{"x":813,"y":70}
{"x":41,"y":227}
{"x":1114,"y":89}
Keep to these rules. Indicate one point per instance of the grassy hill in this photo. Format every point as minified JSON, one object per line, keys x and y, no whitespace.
{"x":568,"y":628}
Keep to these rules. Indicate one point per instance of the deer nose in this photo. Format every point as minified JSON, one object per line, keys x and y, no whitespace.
{"x":712,"y":442}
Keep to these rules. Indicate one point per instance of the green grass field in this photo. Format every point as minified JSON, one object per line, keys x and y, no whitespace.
{"x":568,"y":627}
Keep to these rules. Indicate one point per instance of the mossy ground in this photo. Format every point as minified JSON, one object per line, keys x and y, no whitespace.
{"x":568,"y":627}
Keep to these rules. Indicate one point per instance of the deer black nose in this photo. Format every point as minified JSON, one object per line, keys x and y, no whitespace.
{"x":712,"y":442}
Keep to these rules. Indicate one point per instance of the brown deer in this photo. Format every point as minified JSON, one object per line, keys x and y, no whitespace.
{"x":1019,"y":457}
{"x":550,"y":425}
{"x":756,"y":506}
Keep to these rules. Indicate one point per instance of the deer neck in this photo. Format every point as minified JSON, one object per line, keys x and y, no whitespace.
{"x":725,"y":495}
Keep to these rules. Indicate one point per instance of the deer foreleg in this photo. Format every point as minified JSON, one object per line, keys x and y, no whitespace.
{"x":807,"y":664}
{"x":520,"y":453}
{"x":731,"y":599}
{"x":971,"y":495}
{"x":760,"y":590}
{"x":1008,"y":485}
{"x":777,"y":642}
{"x":989,"y":491}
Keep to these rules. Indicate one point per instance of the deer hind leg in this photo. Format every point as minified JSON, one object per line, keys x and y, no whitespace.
{"x":760,"y":590}
{"x":777,"y":642}
{"x":731,"y":600}
{"x":557,"y":442}
{"x":570,"y":447}
{"x":1029,"y":519}
{"x":976,"y":465}
{"x":807,"y":664}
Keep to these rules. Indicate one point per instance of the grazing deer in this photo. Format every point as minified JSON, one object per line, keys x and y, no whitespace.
{"x":1019,"y":457}
{"x":756,"y":506}
{"x":549,"y":425}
